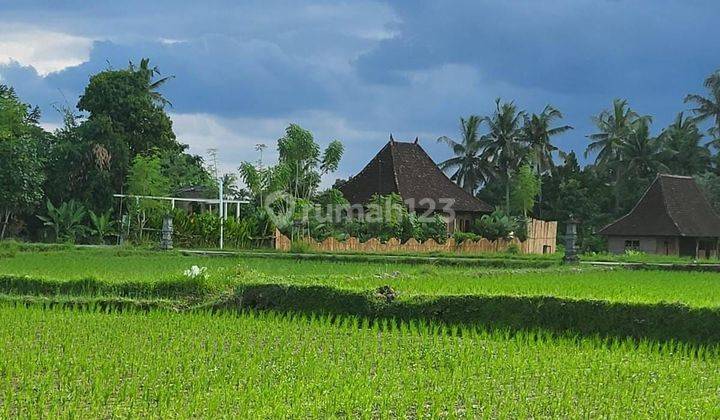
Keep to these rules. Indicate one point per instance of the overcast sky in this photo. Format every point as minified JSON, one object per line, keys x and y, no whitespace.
{"x":358,"y":71}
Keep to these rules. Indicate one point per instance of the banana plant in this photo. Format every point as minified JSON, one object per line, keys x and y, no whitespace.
{"x":66,"y":220}
{"x":102,"y":225}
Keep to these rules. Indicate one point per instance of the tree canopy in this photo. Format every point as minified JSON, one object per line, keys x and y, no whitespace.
{"x":21,"y":163}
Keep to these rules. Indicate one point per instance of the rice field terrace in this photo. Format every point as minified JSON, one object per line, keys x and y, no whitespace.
{"x":120,"y":267}
{"x":125,"y":332}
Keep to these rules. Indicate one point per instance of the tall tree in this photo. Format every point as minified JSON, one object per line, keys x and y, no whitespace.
{"x":684,"y":153}
{"x":615,"y":127}
{"x":538,"y":133}
{"x":151,"y":85}
{"x":468,"y":168}
{"x":303,"y":160}
{"x":127,"y":99}
{"x":21,"y":163}
{"x":145,"y":178}
{"x":641,"y":154}
{"x":526,"y":187}
{"x":709,"y":108}
{"x":87,"y":162}
{"x":186,"y":170}
{"x":503,"y":145}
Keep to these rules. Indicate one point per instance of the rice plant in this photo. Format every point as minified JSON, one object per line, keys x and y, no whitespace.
{"x":72,"y":363}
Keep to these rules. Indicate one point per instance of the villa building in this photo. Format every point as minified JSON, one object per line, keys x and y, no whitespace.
{"x":406,"y":169}
{"x":673,"y":217}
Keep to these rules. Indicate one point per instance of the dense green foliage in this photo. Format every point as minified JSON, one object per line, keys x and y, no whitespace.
{"x":496,"y":225}
{"x":507,"y":158}
{"x":89,"y":158}
{"x":21,"y":141}
{"x":625,"y":154}
{"x":525,"y":188}
{"x":128,"y":99}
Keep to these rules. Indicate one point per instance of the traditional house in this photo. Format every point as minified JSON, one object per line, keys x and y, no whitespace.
{"x":407,"y":170}
{"x":673,"y":217}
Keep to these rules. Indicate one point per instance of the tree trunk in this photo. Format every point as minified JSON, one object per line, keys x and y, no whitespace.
{"x":507,"y":190}
{"x":540,"y":202}
{"x":5,"y":223}
{"x":617,"y":190}
{"x":540,"y":193}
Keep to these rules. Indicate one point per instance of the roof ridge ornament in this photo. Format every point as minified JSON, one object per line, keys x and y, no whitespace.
{"x":392,"y":140}
{"x":416,"y":140}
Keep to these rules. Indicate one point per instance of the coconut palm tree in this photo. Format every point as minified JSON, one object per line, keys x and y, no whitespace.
{"x":152,"y":86}
{"x":615,"y":128}
{"x":641,"y":154}
{"x":709,"y":108}
{"x":504,"y":144}
{"x":684,"y":153}
{"x":538,"y":134}
{"x":468,"y":169}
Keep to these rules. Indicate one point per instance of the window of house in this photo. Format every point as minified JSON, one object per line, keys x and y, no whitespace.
{"x":633,"y":245}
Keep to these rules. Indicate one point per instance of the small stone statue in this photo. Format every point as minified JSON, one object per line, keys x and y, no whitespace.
{"x":571,"y":255}
{"x":166,"y":242}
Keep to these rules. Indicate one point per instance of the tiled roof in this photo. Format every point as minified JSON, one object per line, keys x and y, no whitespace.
{"x":406,"y":169}
{"x":671,"y":206}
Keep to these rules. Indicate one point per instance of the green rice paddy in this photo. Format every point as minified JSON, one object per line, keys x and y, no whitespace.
{"x":696,"y":289}
{"x":95,"y":360}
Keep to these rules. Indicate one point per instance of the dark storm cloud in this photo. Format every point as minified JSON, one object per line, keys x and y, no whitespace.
{"x":408,"y":67}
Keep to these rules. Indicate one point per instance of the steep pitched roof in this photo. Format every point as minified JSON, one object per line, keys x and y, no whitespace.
{"x":671,"y":206}
{"x":407,"y":170}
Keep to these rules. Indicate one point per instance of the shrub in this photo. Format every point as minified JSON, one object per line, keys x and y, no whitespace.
{"x":102,"y":225}
{"x":299,"y":246}
{"x":521,"y":228}
{"x":496,"y":225}
{"x":66,"y":220}
{"x":633,"y":253}
{"x":239,"y":233}
{"x":461,"y":237}
{"x":593,"y":243}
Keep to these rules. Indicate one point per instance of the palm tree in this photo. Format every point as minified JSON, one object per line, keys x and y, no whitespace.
{"x":684,"y":153}
{"x":709,"y":108}
{"x":538,"y":134}
{"x":615,"y":128}
{"x":152,"y":87}
{"x":302,"y":158}
{"x":470,"y":170}
{"x":641,"y":154}
{"x":503,"y":145}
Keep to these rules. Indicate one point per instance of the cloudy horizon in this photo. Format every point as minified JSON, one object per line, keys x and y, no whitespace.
{"x":359,"y":71}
